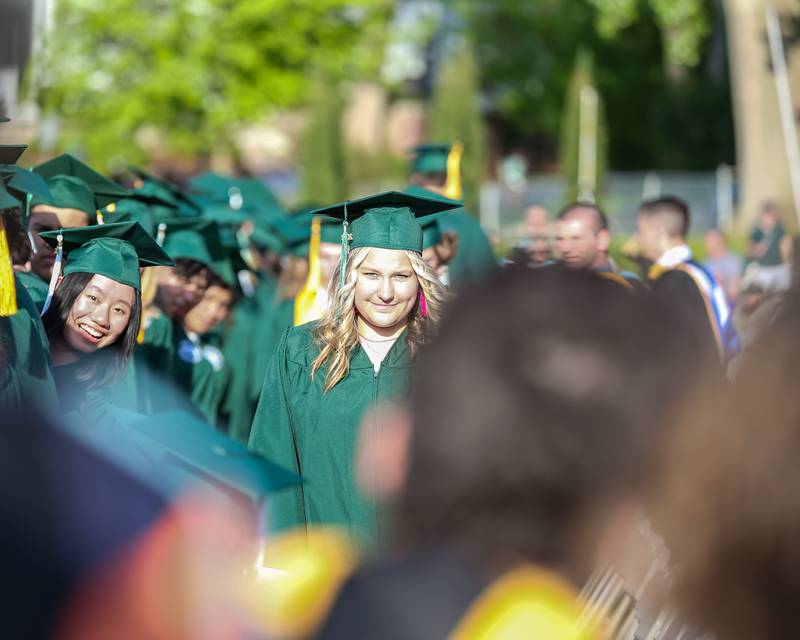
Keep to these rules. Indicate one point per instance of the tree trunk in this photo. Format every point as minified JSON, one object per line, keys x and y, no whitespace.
{"x":763,"y":167}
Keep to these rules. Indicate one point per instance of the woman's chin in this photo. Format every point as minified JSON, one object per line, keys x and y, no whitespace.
{"x":82,"y":345}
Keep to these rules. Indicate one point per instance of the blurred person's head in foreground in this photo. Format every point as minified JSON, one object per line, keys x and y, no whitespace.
{"x":661,"y":225}
{"x":93,"y":550}
{"x":582,"y":236}
{"x":729,"y":503}
{"x":531,"y":426}
{"x":213,"y":308}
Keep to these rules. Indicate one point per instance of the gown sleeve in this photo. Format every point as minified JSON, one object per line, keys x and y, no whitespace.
{"x":273,"y":435}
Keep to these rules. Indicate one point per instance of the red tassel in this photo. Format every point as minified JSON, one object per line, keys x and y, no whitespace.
{"x":423,"y":304}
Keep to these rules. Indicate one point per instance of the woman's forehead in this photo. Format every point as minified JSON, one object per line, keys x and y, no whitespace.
{"x":110,"y":287}
{"x":387,"y":259}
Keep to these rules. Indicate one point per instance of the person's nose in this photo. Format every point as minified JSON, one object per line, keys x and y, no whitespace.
{"x":386,"y":290}
{"x":100,"y":316}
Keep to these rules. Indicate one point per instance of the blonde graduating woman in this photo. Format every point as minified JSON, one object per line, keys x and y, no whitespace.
{"x":324,"y":375}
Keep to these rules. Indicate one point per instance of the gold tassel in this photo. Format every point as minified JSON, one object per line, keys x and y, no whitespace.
{"x":305,"y":304}
{"x":452,"y":188}
{"x":8,"y":290}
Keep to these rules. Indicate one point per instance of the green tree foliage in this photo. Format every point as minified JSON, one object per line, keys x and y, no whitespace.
{"x":322,"y":149}
{"x":582,"y":76}
{"x":455,"y":116}
{"x":684,"y":24}
{"x":656,"y":118}
{"x":191,"y":71}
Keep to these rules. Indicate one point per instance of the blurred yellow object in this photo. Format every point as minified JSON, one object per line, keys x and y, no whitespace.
{"x":631,"y":248}
{"x":301,"y":576}
{"x":8,"y":290}
{"x":452,"y":187}
{"x":525,"y":603}
{"x":305,"y":303}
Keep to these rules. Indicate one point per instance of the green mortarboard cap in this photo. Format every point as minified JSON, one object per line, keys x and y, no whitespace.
{"x":193,"y":238}
{"x":186,"y":204}
{"x":266,"y":237}
{"x":4,"y":119}
{"x":68,"y":192}
{"x":388,"y":220}
{"x":131,"y":210}
{"x":115,"y":250}
{"x":7,"y":201}
{"x":10,"y":153}
{"x":238,"y":193}
{"x":22,"y":182}
{"x":430,"y":158}
{"x":213,"y":457}
{"x":295,"y":235}
{"x":104,"y":190}
{"x":431,"y":231}
{"x":330,"y":229}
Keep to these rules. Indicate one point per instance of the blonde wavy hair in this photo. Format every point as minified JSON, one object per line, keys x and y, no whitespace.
{"x":337,"y":331}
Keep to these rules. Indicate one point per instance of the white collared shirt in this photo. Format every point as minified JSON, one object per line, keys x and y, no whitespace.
{"x":675,"y":256}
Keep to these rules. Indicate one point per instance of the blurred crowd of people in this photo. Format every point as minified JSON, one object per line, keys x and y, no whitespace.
{"x":227,"y":419}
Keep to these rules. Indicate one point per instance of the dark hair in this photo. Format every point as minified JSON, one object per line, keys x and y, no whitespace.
{"x":600,"y":218}
{"x":106,"y":365}
{"x":18,"y":243}
{"x":438,"y":178}
{"x":188,"y":268}
{"x":673,"y":211}
{"x":532,"y":409}
{"x":730,"y":500}
{"x":215,"y":280}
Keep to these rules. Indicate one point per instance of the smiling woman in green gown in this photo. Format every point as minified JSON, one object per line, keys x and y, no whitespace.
{"x":325,"y":375}
{"x":95,"y":313}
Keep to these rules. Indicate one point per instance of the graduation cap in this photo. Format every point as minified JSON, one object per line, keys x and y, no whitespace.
{"x":387,"y":220}
{"x":10,"y":153}
{"x":116,"y":250}
{"x":440,"y":158}
{"x":192,"y":238}
{"x":238,"y":193}
{"x":23,"y":182}
{"x":267,"y":238}
{"x":7,"y":201}
{"x":209,"y":455}
{"x":75,"y":185}
{"x":186,"y":203}
{"x":145,"y":208}
{"x":430,"y":158}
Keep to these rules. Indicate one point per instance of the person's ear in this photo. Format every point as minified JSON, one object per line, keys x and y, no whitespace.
{"x":603,"y":240}
{"x":382,"y":451}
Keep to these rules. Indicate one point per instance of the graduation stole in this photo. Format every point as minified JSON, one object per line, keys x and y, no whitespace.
{"x":717,"y":310}
{"x":615,"y":277}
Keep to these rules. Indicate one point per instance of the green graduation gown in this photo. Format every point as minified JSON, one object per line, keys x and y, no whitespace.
{"x":36,"y":287}
{"x":26,"y":376}
{"x":314,"y":434}
{"x":211,"y":376}
{"x":250,"y":318}
{"x":474,"y":260}
{"x":163,"y":372}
